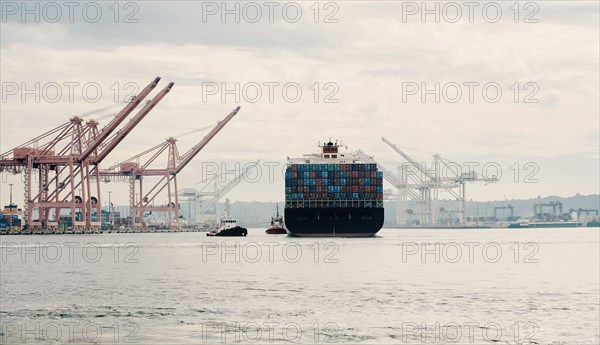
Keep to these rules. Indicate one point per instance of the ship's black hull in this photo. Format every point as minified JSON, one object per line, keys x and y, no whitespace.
{"x":343,"y":222}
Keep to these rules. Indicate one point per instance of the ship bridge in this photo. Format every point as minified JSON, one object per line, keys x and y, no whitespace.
{"x":331,"y":154}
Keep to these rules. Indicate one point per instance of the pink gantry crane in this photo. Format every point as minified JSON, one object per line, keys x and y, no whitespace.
{"x":142,"y":200}
{"x":61,"y":166}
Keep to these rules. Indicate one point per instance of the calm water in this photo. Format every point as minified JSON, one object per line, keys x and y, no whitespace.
{"x":538,"y":286}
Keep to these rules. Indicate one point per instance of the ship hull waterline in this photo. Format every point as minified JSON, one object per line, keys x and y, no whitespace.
{"x":334,"y":222}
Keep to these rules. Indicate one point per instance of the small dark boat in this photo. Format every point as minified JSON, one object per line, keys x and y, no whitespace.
{"x":277,"y":227}
{"x":229,"y":227}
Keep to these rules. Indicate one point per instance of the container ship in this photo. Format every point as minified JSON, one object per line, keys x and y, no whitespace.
{"x":333,"y":194}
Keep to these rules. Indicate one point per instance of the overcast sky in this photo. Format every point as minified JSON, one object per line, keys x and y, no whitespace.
{"x":360,"y":68}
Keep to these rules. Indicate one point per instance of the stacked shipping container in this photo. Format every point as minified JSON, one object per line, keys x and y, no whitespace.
{"x":326,"y":182}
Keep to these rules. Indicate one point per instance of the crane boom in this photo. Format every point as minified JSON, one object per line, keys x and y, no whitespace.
{"x":391,"y":177}
{"x":422,"y":169}
{"x":117,"y":120}
{"x":123,"y":132}
{"x":409,"y":159}
{"x":231,"y":184}
{"x":188,"y":156}
{"x":386,"y":173}
{"x":227,"y":188}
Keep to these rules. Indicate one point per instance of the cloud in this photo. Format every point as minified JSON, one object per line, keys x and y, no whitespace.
{"x":360,"y":64}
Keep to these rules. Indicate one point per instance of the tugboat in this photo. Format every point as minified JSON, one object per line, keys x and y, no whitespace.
{"x":277,"y":227}
{"x":228,"y":226}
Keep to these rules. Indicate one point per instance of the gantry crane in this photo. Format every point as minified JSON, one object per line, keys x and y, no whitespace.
{"x":403,"y":188}
{"x":223,"y":190}
{"x":141,"y":199}
{"x":587,"y":212}
{"x":538,"y":210}
{"x":428,"y":184}
{"x":508,"y":207}
{"x":412,"y":190}
{"x":63,"y":163}
{"x":460,"y":181}
{"x":107,"y":142}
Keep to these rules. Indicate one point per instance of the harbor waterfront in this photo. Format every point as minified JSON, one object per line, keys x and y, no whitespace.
{"x":464,"y":286}
{"x":300,"y":172}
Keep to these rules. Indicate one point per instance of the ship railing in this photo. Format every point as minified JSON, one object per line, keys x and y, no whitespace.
{"x":349,"y":203}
